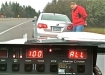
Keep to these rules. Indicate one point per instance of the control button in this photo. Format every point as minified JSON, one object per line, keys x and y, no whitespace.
{"x":53,"y":67}
{"x":3,"y":66}
{"x":71,"y":70}
{"x":40,"y":67}
{"x":28,"y":67}
{"x":15,"y":67}
{"x":81,"y":68}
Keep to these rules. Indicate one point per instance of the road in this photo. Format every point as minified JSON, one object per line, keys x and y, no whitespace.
{"x":16,"y":28}
{"x":3,"y":19}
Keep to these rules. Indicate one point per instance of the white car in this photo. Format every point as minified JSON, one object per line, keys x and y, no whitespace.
{"x":51,"y":24}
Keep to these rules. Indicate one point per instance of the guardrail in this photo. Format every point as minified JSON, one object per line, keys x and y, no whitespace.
{"x":4,"y":19}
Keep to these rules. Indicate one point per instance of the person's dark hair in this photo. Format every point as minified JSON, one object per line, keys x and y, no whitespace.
{"x":72,"y":3}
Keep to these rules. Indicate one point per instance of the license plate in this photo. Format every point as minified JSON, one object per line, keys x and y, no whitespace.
{"x":56,"y":28}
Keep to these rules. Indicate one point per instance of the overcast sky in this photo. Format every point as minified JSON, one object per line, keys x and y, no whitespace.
{"x":36,"y":4}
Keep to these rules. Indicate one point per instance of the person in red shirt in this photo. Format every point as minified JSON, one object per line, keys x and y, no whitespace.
{"x":79,"y":17}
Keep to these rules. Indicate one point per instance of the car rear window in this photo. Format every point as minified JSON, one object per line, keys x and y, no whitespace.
{"x":54,"y":17}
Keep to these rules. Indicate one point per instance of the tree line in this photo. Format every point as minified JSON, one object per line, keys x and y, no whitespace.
{"x":14,"y":9}
{"x":94,"y":8}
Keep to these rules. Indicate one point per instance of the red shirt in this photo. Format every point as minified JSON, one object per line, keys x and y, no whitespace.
{"x":79,"y":16}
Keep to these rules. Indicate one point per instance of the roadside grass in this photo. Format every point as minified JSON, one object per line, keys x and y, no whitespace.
{"x":95,"y":30}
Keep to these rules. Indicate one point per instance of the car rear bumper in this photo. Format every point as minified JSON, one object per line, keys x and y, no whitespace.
{"x":47,"y":34}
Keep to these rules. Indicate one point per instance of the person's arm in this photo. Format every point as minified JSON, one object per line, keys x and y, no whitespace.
{"x":83,"y":13}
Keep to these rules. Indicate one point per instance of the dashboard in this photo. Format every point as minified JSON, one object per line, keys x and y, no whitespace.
{"x":47,"y":59}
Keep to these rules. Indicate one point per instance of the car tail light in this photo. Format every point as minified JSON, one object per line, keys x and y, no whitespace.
{"x":41,"y":25}
{"x":70,"y":27}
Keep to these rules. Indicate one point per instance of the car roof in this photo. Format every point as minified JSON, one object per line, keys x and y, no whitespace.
{"x":53,"y":13}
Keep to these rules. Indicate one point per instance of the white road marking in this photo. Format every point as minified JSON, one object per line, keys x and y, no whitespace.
{"x":13,"y":27}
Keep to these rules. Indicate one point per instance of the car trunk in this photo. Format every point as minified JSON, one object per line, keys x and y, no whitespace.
{"x":54,"y":26}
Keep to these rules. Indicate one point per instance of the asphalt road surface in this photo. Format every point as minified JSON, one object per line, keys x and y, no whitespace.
{"x":16,"y":28}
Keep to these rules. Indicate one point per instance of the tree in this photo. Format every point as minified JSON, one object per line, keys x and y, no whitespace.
{"x":13,"y":9}
{"x":94,"y":8}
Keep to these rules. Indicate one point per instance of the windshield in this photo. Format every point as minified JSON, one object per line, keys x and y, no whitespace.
{"x":44,"y":19}
{"x":50,"y":21}
{"x":55,"y":17}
